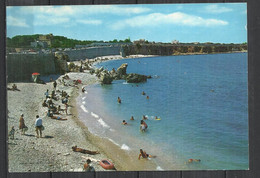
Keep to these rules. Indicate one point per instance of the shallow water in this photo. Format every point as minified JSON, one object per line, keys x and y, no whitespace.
{"x":202,"y":101}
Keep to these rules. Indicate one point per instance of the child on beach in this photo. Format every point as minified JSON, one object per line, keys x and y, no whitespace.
{"x":47,"y":94}
{"x":88,"y":167}
{"x":11,"y":132}
{"x":38,"y":126}
{"x":144,"y":155}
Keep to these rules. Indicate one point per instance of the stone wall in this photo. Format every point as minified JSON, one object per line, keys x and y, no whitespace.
{"x":21,"y":66}
{"x":82,"y":54}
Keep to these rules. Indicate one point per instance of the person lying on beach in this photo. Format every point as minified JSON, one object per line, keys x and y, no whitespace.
{"x":124,"y":122}
{"x":88,"y":167}
{"x":76,"y":149}
{"x":132,"y":118}
{"x":118,"y":99}
{"x":143,"y":126}
{"x":14,"y":88}
{"x":58,"y":118}
{"x":193,"y":160}
{"x":144,"y":155}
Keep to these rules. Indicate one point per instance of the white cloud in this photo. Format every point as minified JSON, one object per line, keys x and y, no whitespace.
{"x":216,"y":9}
{"x":176,"y":18}
{"x":90,"y":22}
{"x":13,"y":21}
{"x":83,"y":10}
{"x":47,"y":20}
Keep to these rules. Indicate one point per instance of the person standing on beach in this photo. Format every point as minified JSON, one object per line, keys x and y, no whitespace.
{"x":38,"y":126}
{"x":54,"y":85}
{"x":46,"y":94}
{"x":66,"y":108}
{"x":22,"y":125}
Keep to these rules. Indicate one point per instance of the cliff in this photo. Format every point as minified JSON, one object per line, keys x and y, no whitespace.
{"x":21,"y":66}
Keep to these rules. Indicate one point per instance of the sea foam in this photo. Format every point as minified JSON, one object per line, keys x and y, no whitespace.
{"x":83,"y":108}
{"x":103,"y":123}
{"x":125,"y":147}
{"x":113,"y":142}
{"x":94,"y":115}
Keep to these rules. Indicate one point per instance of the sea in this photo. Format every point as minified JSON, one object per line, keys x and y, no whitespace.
{"x":202,"y":101}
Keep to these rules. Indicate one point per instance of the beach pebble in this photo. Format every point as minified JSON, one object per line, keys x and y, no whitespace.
{"x":58,"y":153}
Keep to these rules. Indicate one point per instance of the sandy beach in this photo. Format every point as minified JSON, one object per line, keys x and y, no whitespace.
{"x":53,"y":152}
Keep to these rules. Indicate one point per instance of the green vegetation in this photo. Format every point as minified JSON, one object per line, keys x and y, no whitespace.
{"x":24,"y":41}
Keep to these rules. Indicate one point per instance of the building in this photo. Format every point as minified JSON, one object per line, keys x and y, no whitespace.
{"x":46,"y":38}
{"x":42,"y":44}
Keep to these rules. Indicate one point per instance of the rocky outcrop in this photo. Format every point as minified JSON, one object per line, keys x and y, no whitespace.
{"x":136,"y":78}
{"x":122,"y":69}
{"x":105,"y":78}
{"x":60,"y":61}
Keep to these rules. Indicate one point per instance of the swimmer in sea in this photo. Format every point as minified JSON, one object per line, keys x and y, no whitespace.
{"x":124,"y":122}
{"x":144,"y":117}
{"x":147,"y":97}
{"x":144,"y":155}
{"x":132,"y":118}
{"x":119,"y":100}
{"x":143,"y":126}
{"x":193,"y":160}
{"x":143,"y":93}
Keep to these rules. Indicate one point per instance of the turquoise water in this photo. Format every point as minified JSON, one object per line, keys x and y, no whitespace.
{"x":202,"y":101}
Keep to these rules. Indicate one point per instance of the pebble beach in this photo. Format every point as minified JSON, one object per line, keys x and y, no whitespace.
{"x":53,"y":152}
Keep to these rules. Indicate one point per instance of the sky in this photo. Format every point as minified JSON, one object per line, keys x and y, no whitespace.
{"x":200,"y":22}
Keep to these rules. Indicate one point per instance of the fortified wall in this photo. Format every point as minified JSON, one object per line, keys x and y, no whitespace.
{"x":92,"y":52}
{"x":21,"y":66}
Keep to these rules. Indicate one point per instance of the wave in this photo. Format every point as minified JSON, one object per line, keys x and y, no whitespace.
{"x":94,"y":115}
{"x":125,"y":147}
{"x":84,"y":98}
{"x":83,"y":102}
{"x":84,"y":109}
{"x":125,"y":83}
{"x":103,"y":123}
{"x":113,"y":141}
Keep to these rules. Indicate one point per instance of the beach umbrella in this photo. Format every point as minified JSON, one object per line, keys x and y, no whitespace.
{"x":35,"y":77}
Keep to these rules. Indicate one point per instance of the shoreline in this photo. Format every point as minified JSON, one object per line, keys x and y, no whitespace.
{"x":54,"y":151}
